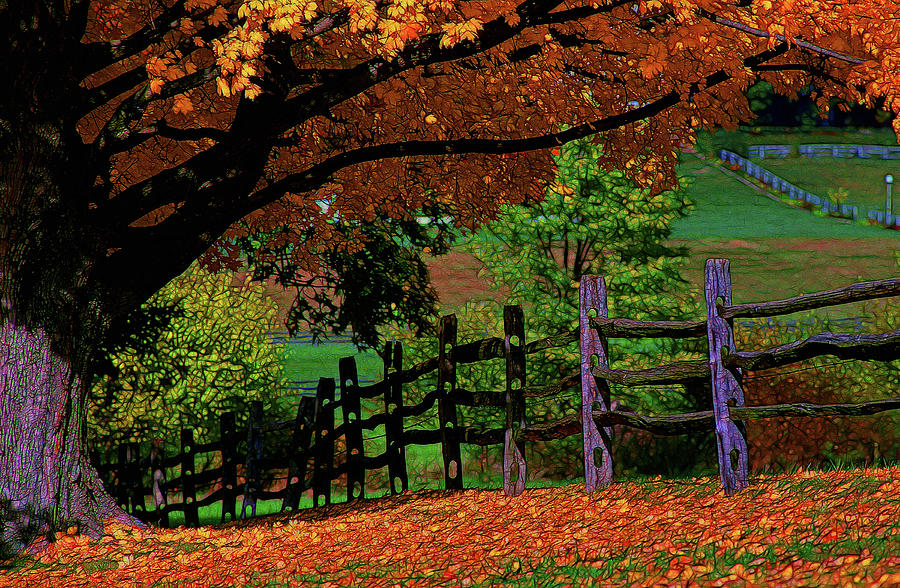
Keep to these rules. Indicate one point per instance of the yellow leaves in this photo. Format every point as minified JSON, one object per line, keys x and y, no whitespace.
{"x":456,"y":31}
{"x":363,"y":15}
{"x":223,"y":87}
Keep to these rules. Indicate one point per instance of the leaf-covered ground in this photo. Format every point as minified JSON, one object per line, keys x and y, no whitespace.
{"x":811,"y":528}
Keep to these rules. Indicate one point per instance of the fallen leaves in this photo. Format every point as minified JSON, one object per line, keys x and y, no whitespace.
{"x":618,"y":535}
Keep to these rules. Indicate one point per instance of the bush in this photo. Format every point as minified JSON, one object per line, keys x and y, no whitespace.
{"x":212,"y":357}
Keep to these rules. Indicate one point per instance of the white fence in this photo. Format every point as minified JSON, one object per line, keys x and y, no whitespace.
{"x":795,"y":193}
{"x":863,"y":151}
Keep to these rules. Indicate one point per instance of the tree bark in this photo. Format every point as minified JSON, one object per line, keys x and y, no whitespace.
{"x":47,"y":483}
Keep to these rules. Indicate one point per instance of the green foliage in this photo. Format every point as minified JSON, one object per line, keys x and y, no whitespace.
{"x":710,"y":143}
{"x":759,"y":97}
{"x":210,"y":357}
{"x":385,"y":281}
{"x":591,"y":223}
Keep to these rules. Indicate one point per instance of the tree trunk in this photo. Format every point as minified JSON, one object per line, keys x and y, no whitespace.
{"x":47,"y":483}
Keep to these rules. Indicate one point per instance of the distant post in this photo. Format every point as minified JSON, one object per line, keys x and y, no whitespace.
{"x":888,"y":181}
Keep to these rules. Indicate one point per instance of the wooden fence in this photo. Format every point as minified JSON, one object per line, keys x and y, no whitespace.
{"x":316,"y":416}
{"x":724,"y":368}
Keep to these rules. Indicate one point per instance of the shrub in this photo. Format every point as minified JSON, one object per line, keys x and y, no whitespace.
{"x":211,"y":358}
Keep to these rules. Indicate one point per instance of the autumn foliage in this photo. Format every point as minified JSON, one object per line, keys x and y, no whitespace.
{"x":417,"y":97}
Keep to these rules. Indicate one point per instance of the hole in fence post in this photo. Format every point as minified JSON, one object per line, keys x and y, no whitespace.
{"x":514,"y":340}
{"x":515,"y":384}
{"x":733,"y":454}
{"x":595,"y":360}
{"x":592,"y":312}
{"x":357,"y":490}
{"x":398,"y":483}
{"x":514,"y":473}
{"x":598,"y":457}
{"x":452,"y":469}
{"x":294,"y":480}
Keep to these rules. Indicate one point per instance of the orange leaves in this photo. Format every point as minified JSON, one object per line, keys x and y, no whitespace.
{"x":218,"y":16}
{"x":183,"y":104}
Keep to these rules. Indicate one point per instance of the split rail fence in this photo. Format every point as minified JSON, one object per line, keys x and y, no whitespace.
{"x":315,"y":417}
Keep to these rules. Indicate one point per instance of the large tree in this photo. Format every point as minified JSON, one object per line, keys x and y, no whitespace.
{"x":136,"y":135}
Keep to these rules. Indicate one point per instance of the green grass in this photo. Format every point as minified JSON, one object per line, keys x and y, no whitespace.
{"x":863,"y":179}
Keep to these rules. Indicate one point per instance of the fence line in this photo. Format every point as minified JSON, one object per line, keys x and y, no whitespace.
{"x":795,"y":193}
{"x":724,"y":368}
{"x":313,"y":431}
{"x":829,"y":150}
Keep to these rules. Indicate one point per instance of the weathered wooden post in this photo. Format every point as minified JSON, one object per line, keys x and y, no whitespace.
{"x":393,"y":428}
{"x":356,"y":473}
{"x":158,"y":483}
{"x":188,"y":492}
{"x":453,"y":478}
{"x":595,"y":393}
{"x":254,"y":455}
{"x":515,"y":471}
{"x":323,"y":462}
{"x":228,"y":439}
{"x":300,"y":441}
{"x":731,"y":436}
{"x":122,"y":476}
{"x":135,"y":480}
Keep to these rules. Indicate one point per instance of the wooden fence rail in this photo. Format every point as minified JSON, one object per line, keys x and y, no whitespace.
{"x":313,"y":431}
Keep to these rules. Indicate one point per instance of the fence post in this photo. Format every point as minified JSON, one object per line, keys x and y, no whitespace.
{"x":446,"y":406}
{"x":303,"y":425}
{"x":393,"y":404}
{"x":731,"y":436}
{"x":595,"y":393}
{"x":158,"y":483}
{"x":515,"y":470}
{"x":228,"y":439}
{"x":254,"y":455}
{"x":136,"y":482}
{"x":188,"y":493}
{"x":324,"y":450}
{"x":356,"y":473}
{"x":122,"y":475}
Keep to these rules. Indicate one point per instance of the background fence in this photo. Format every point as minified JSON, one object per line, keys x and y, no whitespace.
{"x":819,"y":150}
{"x":795,"y":193}
{"x":313,"y":432}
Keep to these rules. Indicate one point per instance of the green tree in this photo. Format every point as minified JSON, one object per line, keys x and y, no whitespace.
{"x":592,"y":222}
{"x":384,"y":282}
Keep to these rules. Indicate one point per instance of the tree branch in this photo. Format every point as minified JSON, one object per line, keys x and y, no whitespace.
{"x":758,"y":33}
